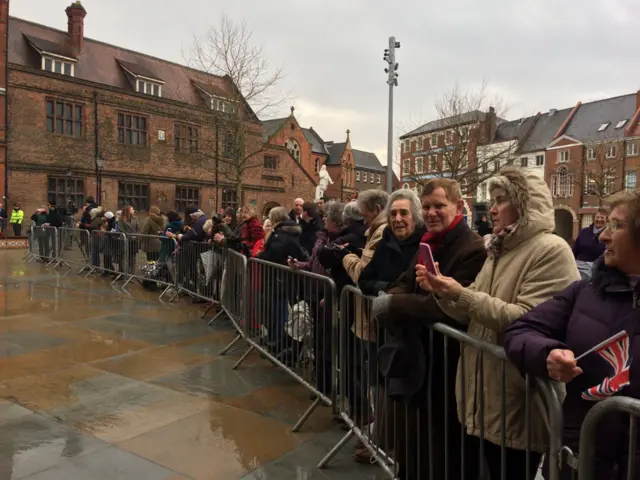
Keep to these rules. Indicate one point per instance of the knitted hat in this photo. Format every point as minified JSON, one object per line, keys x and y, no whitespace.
{"x":109,"y":215}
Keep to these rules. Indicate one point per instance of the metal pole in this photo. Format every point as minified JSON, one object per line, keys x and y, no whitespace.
{"x":96,"y":145}
{"x":390,"y":143}
{"x":392,"y":81}
{"x":217,"y":161}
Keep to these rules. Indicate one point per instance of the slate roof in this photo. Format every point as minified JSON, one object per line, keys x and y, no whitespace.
{"x":584,"y":125}
{"x":139,"y":70}
{"x":543,"y":131}
{"x":50,"y":47}
{"x":271,"y":127}
{"x":317,"y":144}
{"x":98,"y":63}
{"x":335,"y":152}
{"x":514,"y":130}
{"x":363,"y":160}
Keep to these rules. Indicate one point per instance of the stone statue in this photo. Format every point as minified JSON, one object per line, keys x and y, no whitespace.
{"x":325,"y":181}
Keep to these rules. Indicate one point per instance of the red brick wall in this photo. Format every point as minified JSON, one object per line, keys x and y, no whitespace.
{"x":4,"y":16}
{"x":34,"y":152}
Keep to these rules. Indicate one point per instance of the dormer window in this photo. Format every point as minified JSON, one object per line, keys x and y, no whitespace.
{"x":54,"y":57}
{"x":149,"y":88}
{"x":221,"y":105}
{"x":58,"y":65}
{"x":142,"y":79}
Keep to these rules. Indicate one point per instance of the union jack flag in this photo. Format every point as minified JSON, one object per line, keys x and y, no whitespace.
{"x":616,"y":352}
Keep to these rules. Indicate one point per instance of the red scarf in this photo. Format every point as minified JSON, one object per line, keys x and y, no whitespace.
{"x":436,"y":240}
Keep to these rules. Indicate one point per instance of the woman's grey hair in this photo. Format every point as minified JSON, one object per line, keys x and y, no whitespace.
{"x":370,"y":199}
{"x":277,"y":215}
{"x":414,"y":205}
{"x":351,"y":214}
{"x":333,"y":212}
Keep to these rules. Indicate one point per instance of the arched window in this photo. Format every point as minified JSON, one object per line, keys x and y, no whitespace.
{"x":563,"y":175}
{"x":294,"y":148}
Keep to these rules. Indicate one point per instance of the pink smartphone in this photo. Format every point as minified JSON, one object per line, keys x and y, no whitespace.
{"x":426,"y":258}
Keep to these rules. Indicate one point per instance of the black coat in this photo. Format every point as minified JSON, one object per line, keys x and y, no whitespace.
{"x":461,"y":256}
{"x":294,"y":218}
{"x":330,"y":257}
{"x":54,"y":218}
{"x":310,"y":230}
{"x":391,"y":259}
{"x":284,"y":242}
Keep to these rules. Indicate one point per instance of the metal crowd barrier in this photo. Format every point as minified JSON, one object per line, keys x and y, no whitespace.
{"x":289,"y":319}
{"x":231,"y":270}
{"x":43,"y":245}
{"x":588,"y":469}
{"x":409,"y":425}
{"x":195,"y":264}
{"x":74,"y":248}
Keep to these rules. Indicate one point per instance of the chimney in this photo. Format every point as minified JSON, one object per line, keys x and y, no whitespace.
{"x":552,"y":111}
{"x":637,"y":100}
{"x":75,"y":26}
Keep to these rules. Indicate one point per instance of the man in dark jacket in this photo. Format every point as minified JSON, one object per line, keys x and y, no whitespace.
{"x":195,"y":232}
{"x":54,"y":219}
{"x":90,"y":204}
{"x":406,"y":314}
{"x":588,"y":247}
{"x":483,"y":226}
{"x":295,"y":215}
{"x":311,"y":224}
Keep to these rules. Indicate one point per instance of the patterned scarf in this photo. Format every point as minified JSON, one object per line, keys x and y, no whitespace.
{"x":495,"y":242}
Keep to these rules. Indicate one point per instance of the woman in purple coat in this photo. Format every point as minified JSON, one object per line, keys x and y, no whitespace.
{"x":546,"y":341}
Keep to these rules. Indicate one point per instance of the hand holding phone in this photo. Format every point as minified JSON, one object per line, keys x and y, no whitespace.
{"x":425,"y":258}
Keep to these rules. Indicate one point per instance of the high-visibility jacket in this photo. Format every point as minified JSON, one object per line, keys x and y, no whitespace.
{"x":17,"y":216}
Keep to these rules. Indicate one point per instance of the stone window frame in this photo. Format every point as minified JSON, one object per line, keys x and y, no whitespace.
{"x":64,"y":117}
{"x":55,"y":194}
{"x":186,"y":196}
{"x":139,"y":199}
{"x":137,"y":128}
{"x":186,"y":138}
{"x":271,"y":162}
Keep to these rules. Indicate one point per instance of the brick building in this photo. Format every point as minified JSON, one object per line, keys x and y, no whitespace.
{"x":351,"y":170}
{"x":77,"y":103}
{"x":448,"y":148}
{"x":593,"y":154}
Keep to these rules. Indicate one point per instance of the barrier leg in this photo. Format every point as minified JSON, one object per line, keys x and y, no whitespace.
{"x":306,"y":415}
{"x":230,"y":345}
{"x":127,"y":282}
{"x":244,"y":357}
{"x":334,"y":451}
{"x":220,"y":314}
{"x":116,"y":279}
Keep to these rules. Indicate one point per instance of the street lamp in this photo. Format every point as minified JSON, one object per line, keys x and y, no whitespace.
{"x":99,"y":168}
{"x":392,"y":81}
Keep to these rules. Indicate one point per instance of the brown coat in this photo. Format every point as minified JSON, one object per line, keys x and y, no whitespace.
{"x":535,"y":265}
{"x":354,"y":265}
{"x":152,"y":225}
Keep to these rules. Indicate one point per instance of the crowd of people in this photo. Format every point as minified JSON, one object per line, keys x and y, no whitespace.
{"x":518,"y":286}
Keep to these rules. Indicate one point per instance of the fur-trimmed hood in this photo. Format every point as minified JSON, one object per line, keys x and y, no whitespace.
{"x":289,"y":227}
{"x":532,"y":198}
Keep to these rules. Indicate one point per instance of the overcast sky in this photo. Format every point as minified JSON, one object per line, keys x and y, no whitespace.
{"x":536,"y":54}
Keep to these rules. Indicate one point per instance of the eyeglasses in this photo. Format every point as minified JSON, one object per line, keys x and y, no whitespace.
{"x":614,"y":225}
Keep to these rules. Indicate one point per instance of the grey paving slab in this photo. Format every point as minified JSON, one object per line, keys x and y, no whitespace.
{"x":109,"y":464}
{"x":8,"y":349}
{"x":11,"y":411}
{"x":32,"y":341}
{"x":107,"y":395}
{"x":301,"y":463}
{"x":218,"y":379}
{"x":170,"y":333}
{"x":32,"y":443}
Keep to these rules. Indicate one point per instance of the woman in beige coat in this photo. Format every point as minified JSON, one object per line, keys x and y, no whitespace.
{"x":526,"y":265}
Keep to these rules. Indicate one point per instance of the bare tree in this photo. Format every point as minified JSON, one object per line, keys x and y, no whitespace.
{"x":602,"y":170}
{"x":241,"y":86}
{"x":457,"y":144}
